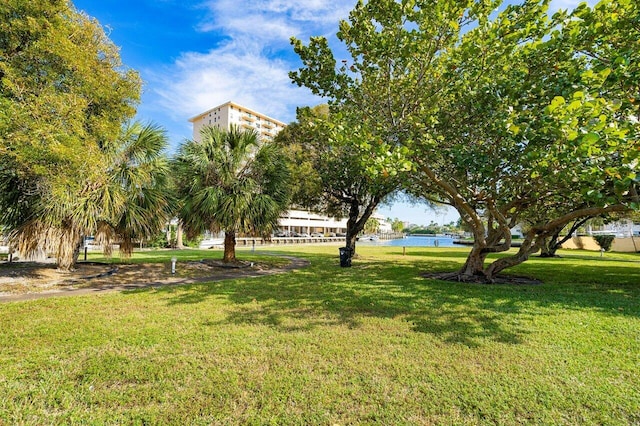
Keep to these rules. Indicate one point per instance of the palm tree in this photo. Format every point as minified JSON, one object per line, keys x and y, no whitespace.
{"x":230,"y":182}
{"x":117,"y":193}
{"x":372,"y":226}
{"x":53,"y":214}
{"x":139,"y":174}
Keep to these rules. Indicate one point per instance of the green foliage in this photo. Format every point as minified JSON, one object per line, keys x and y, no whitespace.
{"x":229,"y":181}
{"x":324,"y":149}
{"x":372,"y":226}
{"x":139,"y":175}
{"x":159,"y":240}
{"x":397,"y":225}
{"x":64,"y":96}
{"x":421,"y":231}
{"x":298,"y":142}
{"x":507,"y":115}
{"x":193,"y":242}
{"x":63,"y":89}
{"x":604,"y":241}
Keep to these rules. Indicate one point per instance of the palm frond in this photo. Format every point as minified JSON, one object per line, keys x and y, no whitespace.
{"x":229,"y":181}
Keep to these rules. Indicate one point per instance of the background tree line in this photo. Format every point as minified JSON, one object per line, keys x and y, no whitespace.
{"x":509,"y":115}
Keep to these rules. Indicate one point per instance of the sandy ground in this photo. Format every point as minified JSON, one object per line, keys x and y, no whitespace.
{"x":27,"y":280}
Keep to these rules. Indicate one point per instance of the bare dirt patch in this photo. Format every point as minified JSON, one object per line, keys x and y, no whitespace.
{"x":31,"y":277}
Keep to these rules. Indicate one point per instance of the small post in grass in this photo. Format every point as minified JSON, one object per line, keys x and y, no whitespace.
{"x":404,"y":250}
{"x":173,"y":265}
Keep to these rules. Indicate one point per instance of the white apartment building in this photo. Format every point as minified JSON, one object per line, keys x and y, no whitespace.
{"x":227,"y":114}
{"x":230,"y":113}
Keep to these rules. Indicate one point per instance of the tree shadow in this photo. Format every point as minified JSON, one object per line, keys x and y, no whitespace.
{"x":462,"y":313}
{"x":454,"y":253}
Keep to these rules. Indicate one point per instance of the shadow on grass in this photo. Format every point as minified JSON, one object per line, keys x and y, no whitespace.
{"x":469,"y":314}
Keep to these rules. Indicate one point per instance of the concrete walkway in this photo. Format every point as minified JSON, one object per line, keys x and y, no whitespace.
{"x":294,"y":263}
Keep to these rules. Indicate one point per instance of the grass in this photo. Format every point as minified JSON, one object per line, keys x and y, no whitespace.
{"x":371,"y":344}
{"x":164,"y":256}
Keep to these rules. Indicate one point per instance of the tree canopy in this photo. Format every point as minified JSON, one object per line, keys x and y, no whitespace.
{"x":495,"y":111}
{"x":229,"y":181}
{"x":140,"y":180}
{"x":64,"y":95}
{"x":337,"y":174}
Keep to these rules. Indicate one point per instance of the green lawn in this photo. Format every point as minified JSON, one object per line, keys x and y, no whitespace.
{"x":371,"y":344}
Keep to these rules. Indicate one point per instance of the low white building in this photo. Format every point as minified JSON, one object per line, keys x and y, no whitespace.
{"x":623,"y":228}
{"x":304,"y":222}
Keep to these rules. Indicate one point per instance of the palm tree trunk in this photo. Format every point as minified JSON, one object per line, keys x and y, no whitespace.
{"x":229,"y":247}
{"x":68,"y":249}
{"x":168,"y":235}
{"x":179,"y":243}
{"x":126,"y":247}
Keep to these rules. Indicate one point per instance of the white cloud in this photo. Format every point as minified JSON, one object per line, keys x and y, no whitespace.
{"x":248,"y":68}
{"x":259,"y":29}
{"x":309,"y":13}
{"x":235,"y":72}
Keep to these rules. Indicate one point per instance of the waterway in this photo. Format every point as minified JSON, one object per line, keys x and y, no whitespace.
{"x":413,"y":241}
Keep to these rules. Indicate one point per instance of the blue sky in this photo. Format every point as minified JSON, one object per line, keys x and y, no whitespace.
{"x":194,"y":55}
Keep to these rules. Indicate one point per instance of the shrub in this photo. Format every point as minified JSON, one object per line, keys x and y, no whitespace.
{"x":604,"y":241}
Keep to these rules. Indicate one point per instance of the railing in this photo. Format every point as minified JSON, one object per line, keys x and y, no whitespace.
{"x":287,"y":240}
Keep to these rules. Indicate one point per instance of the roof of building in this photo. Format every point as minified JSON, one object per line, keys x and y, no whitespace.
{"x":238,"y":106}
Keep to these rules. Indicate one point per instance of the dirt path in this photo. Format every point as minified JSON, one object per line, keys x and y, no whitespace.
{"x":42,"y":281}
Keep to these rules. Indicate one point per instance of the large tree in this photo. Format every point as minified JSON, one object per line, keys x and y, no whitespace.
{"x":63,"y":95}
{"x":334,"y":173}
{"x":229,"y":181}
{"x":495,"y":111}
